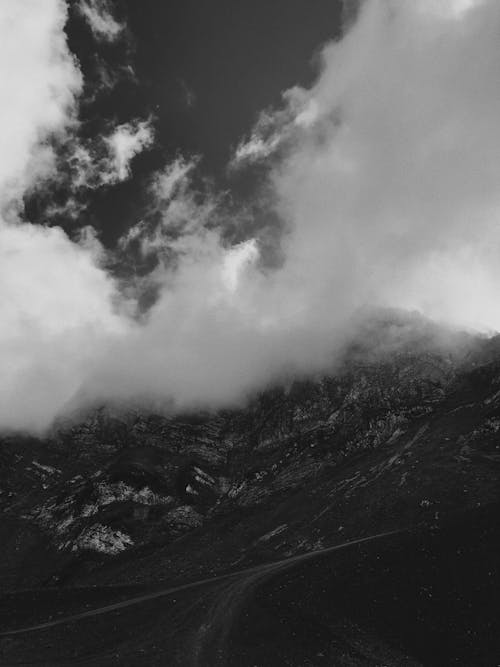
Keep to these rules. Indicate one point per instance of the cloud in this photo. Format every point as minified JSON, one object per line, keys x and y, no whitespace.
{"x":56,"y":302}
{"x":386,"y":169}
{"x":87,"y":164}
{"x":105,"y":160}
{"x":268,"y":135}
{"x":57,"y":312}
{"x":385,"y":172}
{"x":38,"y":83}
{"x":177,"y":213}
{"x":100,"y":19}
{"x":126,"y":142}
{"x":383,"y":176}
{"x":188,"y":94}
{"x":390,"y":185}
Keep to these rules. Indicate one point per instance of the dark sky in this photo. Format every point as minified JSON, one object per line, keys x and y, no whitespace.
{"x":204,"y":69}
{"x":235,"y":55}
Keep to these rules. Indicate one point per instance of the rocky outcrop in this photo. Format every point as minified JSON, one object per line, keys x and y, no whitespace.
{"x":399,"y":437}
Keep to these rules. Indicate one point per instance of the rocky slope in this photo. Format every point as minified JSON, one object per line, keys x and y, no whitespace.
{"x":402,"y":434}
{"x":395,"y":436}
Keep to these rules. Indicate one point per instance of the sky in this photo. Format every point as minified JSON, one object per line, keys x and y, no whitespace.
{"x":197,"y":203}
{"x":204,"y":71}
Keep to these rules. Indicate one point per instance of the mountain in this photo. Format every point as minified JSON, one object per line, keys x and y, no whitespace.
{"x":402,"y":434}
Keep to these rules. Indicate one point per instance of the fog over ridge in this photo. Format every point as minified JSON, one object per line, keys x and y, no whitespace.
{"x":383,"y":176}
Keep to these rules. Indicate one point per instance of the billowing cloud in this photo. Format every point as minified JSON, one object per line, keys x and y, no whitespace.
{"x":56,"y":302}
{"x":57,"y":312}
{"x":390,"y":183}
{"x":38,"y":82}
{"x":383,"y":174}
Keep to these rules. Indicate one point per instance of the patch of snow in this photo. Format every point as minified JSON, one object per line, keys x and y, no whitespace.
{"x":493,"y":424}
{"x":273,"y":533}
{"x":203,"y":477}
{"x":49,"y":470}
{"x":109,"y":493}
{"x":102,"y":539}
{"x":236,"y":489}
{"x":63,"y":526}
{"x":89,"y":510}
{"x":493,"y":398}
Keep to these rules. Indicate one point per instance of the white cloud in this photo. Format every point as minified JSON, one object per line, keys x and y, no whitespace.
{"x":181,"y":213}
{"x":446,"y":9}
{"x":236,"y":260}
{"x":90,"y":164}
{"x":126,"y":142}
{"x":38,"y":84}
{"x":268,"y":135}
{"x":99,"y":17}
{"x":255,"y":149}
{"x":57,"y":314}
{"x":56,"y":302}
{"x":392,"y":181}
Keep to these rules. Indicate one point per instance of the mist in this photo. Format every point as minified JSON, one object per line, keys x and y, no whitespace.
{"x":383,"y":176}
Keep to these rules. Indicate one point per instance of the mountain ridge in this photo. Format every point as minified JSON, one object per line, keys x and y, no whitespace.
{"x":93,"y":486}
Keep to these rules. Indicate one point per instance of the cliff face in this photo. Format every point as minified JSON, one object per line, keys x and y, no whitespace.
{"x":396,"y":439}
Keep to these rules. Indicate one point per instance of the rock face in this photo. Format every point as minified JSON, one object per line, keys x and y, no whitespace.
{"x":407,"y":436}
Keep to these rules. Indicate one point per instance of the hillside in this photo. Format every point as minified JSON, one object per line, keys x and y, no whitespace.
{"x":397,"y":438}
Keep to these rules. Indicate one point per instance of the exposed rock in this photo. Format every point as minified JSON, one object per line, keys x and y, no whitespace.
{"x":368,"y":445}
{"x":102,"y":539}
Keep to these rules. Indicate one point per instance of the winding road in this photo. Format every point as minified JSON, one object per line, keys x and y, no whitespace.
{"x":249,"y":575}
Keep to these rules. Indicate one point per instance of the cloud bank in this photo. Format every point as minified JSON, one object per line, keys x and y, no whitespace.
{"x":383,"y":175}
{"x":386,"y":169}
